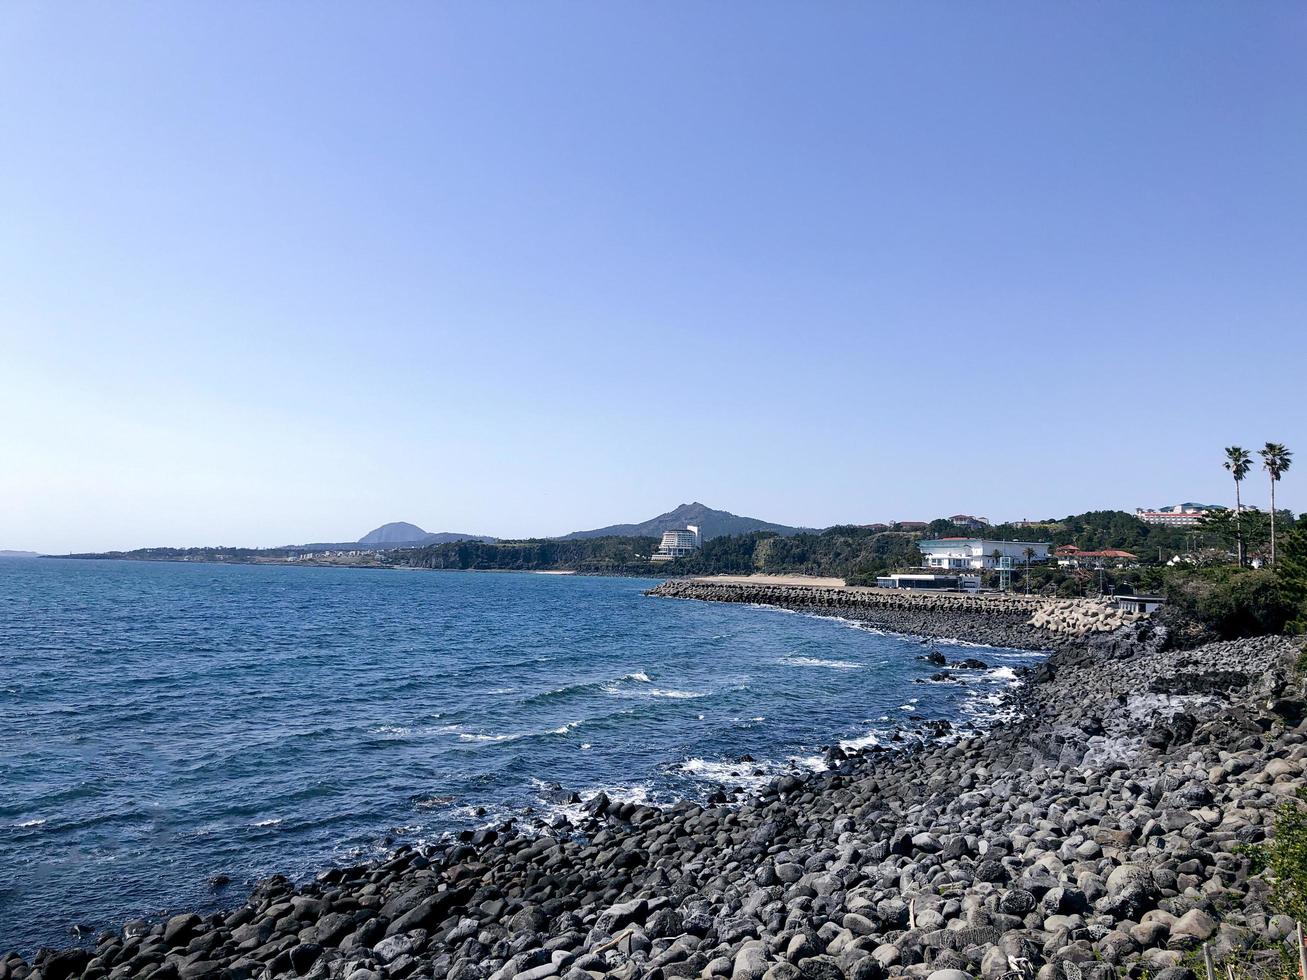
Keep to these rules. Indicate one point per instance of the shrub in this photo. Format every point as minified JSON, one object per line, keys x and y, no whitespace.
{"x":1283,"y":859}
{"x":1231,"y":603}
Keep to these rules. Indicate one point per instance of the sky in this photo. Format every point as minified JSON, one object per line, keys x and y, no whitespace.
{"x":276,"y":273}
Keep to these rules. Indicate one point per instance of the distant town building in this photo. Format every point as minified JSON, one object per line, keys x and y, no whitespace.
{"x":1069,"y":556}
{"x":1178,"y":515}
{"x":911,"y":525}
{"x":967,"y":520}
{"x":678,"y":544}
{"x":978,"y":553}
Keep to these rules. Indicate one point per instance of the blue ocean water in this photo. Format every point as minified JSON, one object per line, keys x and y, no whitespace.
{"x":167,"y":723}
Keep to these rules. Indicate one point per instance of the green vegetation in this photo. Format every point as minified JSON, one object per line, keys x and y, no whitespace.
{"x":1275,"y":460}
{"x":595,"y":556}
{"x":1229,"y":602}
{"x":1238,"y":462}
{"x":856,"y":554}
{"x":1283,"y":859}
{"x":1102,"y":530}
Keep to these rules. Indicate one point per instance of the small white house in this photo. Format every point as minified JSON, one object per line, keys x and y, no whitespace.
{"x":978,"y":553}
{"x":1138,"y":603}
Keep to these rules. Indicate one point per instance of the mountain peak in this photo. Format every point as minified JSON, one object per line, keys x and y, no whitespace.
{"x":396,"y":532}
{"x":711,"y":523}
{"x":403,"y":534}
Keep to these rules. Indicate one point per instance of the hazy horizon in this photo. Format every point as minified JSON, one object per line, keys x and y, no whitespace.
{"x":281,"y":274}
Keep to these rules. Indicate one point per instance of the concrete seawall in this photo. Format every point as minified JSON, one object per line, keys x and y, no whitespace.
{"x":1002,"y":619}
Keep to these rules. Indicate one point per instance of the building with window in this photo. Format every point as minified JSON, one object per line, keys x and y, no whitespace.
{"x":1178,"y":515}
{"x":953,"y":583}
{"x":1138,"y":603}
{"x":678,"y":544}
{"x":978,"y":553}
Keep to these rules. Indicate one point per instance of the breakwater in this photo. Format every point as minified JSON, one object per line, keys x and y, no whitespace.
{"x":1101,"y":835}
{"x":1026,"y":622}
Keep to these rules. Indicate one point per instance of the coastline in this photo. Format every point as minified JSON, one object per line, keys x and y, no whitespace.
{"x":1006,"y":620}
{"x":941,"y":856}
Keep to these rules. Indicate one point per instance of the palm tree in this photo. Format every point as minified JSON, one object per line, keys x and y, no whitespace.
{"x":1275,"y":460}
{"x":1238,"y":462}
{"x":1029,"y":553}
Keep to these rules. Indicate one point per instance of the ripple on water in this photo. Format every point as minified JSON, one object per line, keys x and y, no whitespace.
{"x":361,"y":710}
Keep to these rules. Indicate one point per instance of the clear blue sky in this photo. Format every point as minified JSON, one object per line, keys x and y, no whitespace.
{"x":282,"y":272}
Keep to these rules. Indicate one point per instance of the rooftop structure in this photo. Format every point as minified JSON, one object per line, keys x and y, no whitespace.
{"x":978,"y":553}
{"x":968,"y":520}
{"x":678,"y":544}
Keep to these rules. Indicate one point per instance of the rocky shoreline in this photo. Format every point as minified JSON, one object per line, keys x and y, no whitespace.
{"x":1098,"y":836}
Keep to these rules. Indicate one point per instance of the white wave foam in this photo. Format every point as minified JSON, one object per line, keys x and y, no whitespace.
{"x":270,"y":822}
{"x":564,"y":729}
{"x":29,"y":823}
{"x":585,"y":745}
{"x":639,"y":675}
{"x":430,"y":803}
{"x":649,"y":692}
{"x":472,"y":737}
{"x":749,"y":775}
{"x":862,"y":742}
{"x":639,"y":794}
{"x":398,"y":731}
{"x":1004,"y":674}
{"x":818,"y":662}
{"x":815,"y":763}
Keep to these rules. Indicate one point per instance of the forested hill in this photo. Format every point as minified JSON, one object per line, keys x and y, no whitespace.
{"x":840,"y":551}
{"x":849,"y":551}
{"x":1096,"y":530}
{"x":711,"y":524}
{"x":608,"y":555}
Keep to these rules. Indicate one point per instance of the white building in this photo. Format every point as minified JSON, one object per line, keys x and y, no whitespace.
{"x":1138,"y":603}
{"x":978,"y":553}
{"x":678,"y":544}
{"x":1179,"y":515}
{"x":905,"y":580}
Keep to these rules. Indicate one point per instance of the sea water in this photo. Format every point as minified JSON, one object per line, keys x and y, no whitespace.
{"x":164,"y":724}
